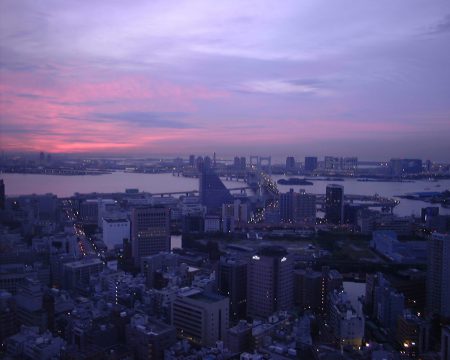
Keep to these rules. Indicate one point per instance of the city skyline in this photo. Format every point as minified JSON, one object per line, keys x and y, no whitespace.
{"x":316,"y":78}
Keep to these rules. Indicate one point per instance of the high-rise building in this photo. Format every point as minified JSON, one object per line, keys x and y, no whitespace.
{"x":213,"y":192}
{"x":290,"y":164}
{"x":270,"y":285}
{"x":305,"y":208}
{"x":297,"y":207}
{"x":234,"y":215}
{"x":2,"y":195}
{"x":232,"y":282}
{"x":150,"y":231}
{"x":243,"y":162}
{"x":413,"y":334}
{"x":308,"y":289}
{"x":200,"y":317}
{"x":332,"y":163}
{"x":310,"y":163}
{"x":445,"y":343}
{"x":438,"y":275}
{"x":334,"y":204}
{"x":287,"y":202}
{"x":388,"y":304}
{"x":192,"y":160}
{"x":349,"y":163}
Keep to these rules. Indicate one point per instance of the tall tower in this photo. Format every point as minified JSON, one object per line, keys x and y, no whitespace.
{"x":150,"y":231}
{"x":270,"y":282}
{"x":287,"y":205}
{"x":232,"y":282}
{"x":438,"y":275}
{"x":334,"y":204}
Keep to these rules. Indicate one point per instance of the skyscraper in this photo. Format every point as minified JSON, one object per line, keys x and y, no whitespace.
{"x":438,"y":275}
{"x":290,"y":164}
{"x":287,"y":202}
{"x":2,"y":195}
{"x":334,"y":204}
{"x":270,"y":285}
{"x":298,"y":207}
{"x":310,"y":163}
{"x":150,"y":231}
{"x":213,"y":192}
{"x":232,"y":282}
{"x":305,"y":208}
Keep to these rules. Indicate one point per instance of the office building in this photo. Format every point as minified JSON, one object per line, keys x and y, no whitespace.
{"x":346,"y":322}
{"x":234,"y":215}
{"x":239,"y":163}
{"x":29,"y":304}
{"x":114,"y":231}
{"x":2,"y":195}
{"x":213,"y":193}
{"x":349,"y":163}
{"x":147,"y":339}
{"x":151,"y":264}
{"x":305,"y":208}
{"x":290,"y":164}
{"x":30,"y":343}
{"x":270,"y":286}
{"x":212,"y":224}
{"x":192,"y":160}
{"x":8,"y":315}
{"x":298,"y":207}
{"x":445,"y":343}
{"x":388,"y":304}
{"x":76,"y":274}
{"x":413,"y":334}
{"x":287,"y":202}
{"x":310,"y":163}
{"x":308,"y":289}
{"x":200,"y":317}
{"x":332,"y":163}
{"x":334,"y":204}
{"x":239,"y":337}
{"x":438,"y":275}
{"x":150,"y":231}
{"x":89,"y":212}
{"x":232,"y":282}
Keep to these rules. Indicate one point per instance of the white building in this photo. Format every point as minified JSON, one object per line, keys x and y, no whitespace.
{"x":114,"y":231}
{"x":347,"y":323}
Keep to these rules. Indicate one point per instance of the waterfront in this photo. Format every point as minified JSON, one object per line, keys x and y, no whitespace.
{"x":65,"y":186}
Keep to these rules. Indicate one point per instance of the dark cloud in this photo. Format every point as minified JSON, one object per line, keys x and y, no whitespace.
{"x":441,"y":27}
{"x":168,"y":120}
{"x":34,"y":96}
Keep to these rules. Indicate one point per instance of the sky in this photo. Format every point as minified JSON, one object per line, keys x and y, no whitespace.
{"x":305,"y":77}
